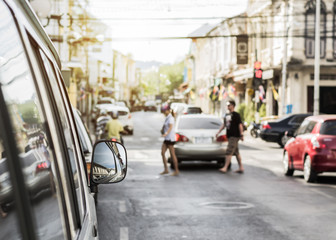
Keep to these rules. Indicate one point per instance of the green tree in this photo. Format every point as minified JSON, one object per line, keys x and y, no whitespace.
{"x":171,"y":77}
{"x":162,"y":80}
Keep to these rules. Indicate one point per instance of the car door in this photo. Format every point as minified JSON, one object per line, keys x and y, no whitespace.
{"x":32,"y":203}
{"x":305,"y":142}
{"x":297,"y":145}
{"x":81,"y":202}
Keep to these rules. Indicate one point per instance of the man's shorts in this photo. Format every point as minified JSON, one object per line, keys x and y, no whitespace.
{"x":232,"y":148}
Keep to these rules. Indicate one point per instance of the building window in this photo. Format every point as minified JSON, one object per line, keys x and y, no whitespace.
{"x":310,"y":29}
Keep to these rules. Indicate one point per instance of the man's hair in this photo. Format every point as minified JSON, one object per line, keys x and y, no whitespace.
{"x":232,"y":102}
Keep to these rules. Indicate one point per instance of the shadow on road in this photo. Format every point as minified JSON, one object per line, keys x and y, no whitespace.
{"x":321,"y":179}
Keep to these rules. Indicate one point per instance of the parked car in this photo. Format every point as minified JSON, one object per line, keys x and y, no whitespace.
{"x":190,"y":109}
{"x":121,"y":103}
{"x":275,"y":131}
{"x":124,"y":116}
{"x":101,"y":103}
{"x":312,"y":149}
{"x":150,"y":105}
{"x":137,"y":106}
{"x":196,"y":141}
{"x":44,"y":191}
{"x":177,"y":107}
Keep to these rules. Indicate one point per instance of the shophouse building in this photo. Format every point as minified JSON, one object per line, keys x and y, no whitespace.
{"x":273,"y":29}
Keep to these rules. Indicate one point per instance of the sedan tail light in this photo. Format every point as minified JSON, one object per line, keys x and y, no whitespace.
{"x":181,"y":138}
{"x":221,"y":138}
{"x":316,"y":145}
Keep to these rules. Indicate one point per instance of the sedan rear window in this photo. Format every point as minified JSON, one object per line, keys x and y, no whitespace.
{"x":199,"y":123}
{"x":328,"y":128}
{"x":193,"y":110}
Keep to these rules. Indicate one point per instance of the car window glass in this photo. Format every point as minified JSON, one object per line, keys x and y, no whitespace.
{"x":297,"y":120}
{"x":303,"y":127}
{"x":328,"y":128}
{"x":28,"y":122}
{"x":310,"y":127}
{"x":199,"y":123}
{"x":69,"y":141}
{"x":8,"y":223}
{"x":194,"y":110}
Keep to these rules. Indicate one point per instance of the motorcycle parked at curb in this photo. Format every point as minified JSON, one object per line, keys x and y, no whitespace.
{"x":254,"y":129}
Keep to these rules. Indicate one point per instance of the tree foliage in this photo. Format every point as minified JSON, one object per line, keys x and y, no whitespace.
{"x":162,"y":80}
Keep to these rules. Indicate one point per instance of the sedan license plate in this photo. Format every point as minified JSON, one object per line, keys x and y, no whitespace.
{"x":203,"y":140}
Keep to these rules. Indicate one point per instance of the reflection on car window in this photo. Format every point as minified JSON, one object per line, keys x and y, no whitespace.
{"x":199,"y":123}
{"x":328,"y":128}
{"x":302,"y":128}
{"x":28,"y":122}
{"x":297,"y":120}
{"x":310,"y":127}
{"x":67,"y":132}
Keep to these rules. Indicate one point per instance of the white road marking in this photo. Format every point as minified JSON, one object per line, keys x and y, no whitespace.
{"x":123,"y":233}
{"x":122,"y":206}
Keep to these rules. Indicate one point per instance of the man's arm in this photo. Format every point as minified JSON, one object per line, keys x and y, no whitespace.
{"x":241,"y":130}
{"x":221,"y":129}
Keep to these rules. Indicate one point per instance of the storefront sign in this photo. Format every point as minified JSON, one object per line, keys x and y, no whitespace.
{"x":242,"y":49}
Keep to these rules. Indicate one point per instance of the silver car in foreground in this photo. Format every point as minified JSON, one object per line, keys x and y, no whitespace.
{"x":196,"y":138}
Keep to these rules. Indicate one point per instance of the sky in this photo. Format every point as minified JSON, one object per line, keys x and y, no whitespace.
{"x":137,"y":25}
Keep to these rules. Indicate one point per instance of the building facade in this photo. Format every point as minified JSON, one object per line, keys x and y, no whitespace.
{"x":280,"y":35}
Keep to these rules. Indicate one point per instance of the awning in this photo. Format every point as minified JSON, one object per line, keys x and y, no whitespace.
{"x":243,"y":74}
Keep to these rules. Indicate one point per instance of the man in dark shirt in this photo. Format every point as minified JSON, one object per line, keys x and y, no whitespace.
{"x":234,"y":133}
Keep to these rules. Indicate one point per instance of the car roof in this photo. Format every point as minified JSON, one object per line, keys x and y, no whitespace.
{"x":322,"y":118}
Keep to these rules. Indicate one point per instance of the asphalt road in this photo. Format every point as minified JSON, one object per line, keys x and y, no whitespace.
{"x":202,"y":203}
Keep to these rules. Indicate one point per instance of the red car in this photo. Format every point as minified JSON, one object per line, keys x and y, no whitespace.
{"x":312,"y":148}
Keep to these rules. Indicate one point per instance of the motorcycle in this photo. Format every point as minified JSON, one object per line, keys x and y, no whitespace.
{"x":254,"y":129}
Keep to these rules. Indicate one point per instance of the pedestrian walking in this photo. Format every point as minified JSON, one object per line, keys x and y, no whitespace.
{"x":168,"y":132}
{"x":234,"y":132}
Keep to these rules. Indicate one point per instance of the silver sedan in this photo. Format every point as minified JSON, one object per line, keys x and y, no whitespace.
{"x":196,"y":138}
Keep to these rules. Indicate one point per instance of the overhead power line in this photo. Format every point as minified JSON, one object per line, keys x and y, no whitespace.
{"x":252,"y":35}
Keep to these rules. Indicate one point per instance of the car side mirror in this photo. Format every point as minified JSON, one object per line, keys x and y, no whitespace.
{"x":109,"y":162}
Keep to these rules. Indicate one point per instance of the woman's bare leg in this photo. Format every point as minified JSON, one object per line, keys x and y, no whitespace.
{"x":163,"y":154}
{"x":173,"y":156}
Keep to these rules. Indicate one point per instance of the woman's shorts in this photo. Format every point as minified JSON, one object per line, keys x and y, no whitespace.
{"x":232,"y":148}
{"x":167,"y":142}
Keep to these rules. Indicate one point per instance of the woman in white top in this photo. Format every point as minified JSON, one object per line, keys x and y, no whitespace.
{"x":169,"y":140}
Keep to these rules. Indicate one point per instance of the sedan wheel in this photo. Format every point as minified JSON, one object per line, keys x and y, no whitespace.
{"x":287,"y":170}
{"x":308,"y":173}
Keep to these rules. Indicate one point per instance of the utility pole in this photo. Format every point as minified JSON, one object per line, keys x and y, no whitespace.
{"x":317,"y":59}
{"x":284,"y":61}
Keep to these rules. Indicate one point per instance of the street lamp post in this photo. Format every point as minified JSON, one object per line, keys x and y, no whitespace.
{"x":317,"y":59}
{"x":284,"y":61}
